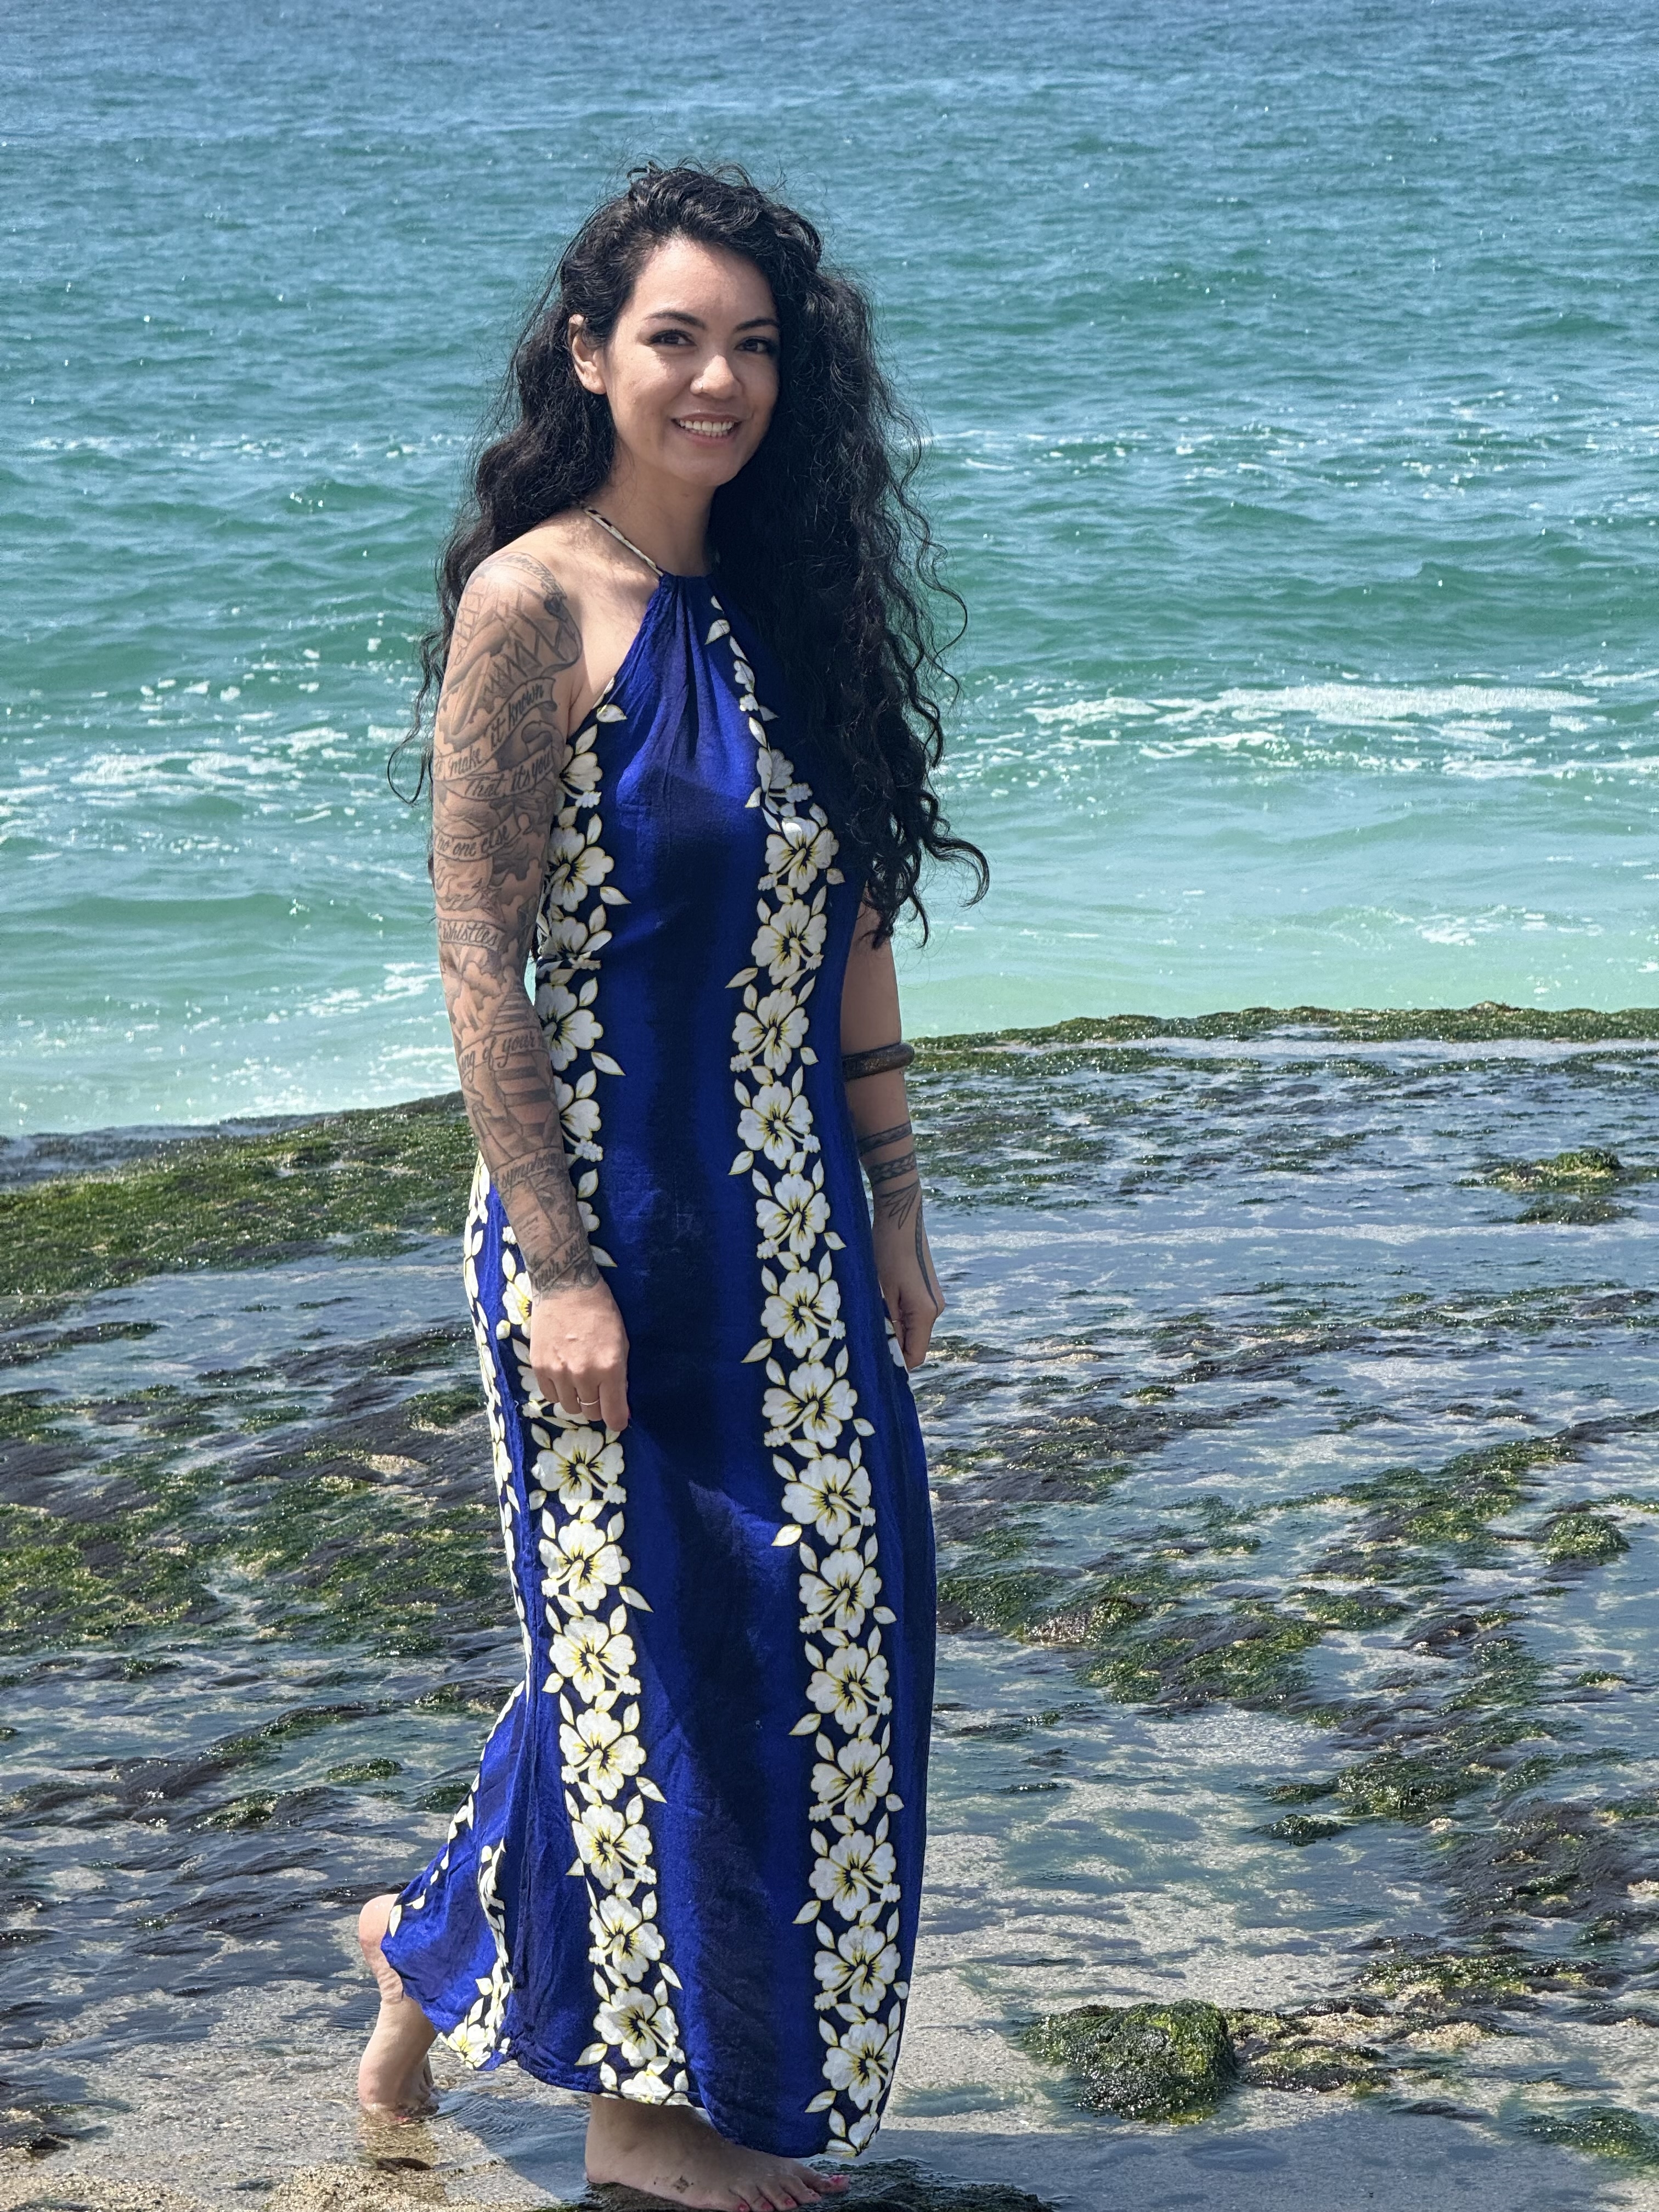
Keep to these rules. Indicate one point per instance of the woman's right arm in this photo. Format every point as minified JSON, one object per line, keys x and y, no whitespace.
{"x":498,"y":748}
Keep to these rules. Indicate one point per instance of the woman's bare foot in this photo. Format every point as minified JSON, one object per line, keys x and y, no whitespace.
{"x":393,"y":2079}
{"x":671,"y":2151}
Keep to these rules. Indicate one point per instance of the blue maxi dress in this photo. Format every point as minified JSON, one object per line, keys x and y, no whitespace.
{"x":688,"y":1869}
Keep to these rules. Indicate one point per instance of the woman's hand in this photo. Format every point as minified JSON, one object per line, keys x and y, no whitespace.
{"x":579,"y":1353}
{"x":904,"y":1268}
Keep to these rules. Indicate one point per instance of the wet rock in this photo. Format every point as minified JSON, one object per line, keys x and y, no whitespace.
{"x":363,"y":1181}
{"x":1301,"y":1828}
{"x":1423,"y":1980}
{"x":901,"y":2185}
{"x":1591,"y":1164}
{"x":1552,"y":1860}
{"x":1143,"y":2062}
{"x":1318,"y":2050}
{"x":1606,"y":2130}
{"x":1582,"y":1537}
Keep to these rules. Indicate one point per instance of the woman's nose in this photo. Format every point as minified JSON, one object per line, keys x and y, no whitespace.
{"x":716,"y":375}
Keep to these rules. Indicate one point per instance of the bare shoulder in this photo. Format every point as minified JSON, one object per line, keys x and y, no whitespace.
{"x":514,"y":658}
{"x":519,"y":588}
{"x":605,"y":588}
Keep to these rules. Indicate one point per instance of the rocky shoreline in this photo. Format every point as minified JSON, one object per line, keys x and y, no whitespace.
{"x":1302,"y":1367}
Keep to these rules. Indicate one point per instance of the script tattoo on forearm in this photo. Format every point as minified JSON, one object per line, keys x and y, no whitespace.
{"x":498,"y":748}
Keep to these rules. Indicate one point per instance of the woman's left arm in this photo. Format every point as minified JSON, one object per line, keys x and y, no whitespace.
{"x":869,"y":1022}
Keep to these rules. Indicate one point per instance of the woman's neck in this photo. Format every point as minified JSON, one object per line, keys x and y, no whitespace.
{"x":666,"y":519}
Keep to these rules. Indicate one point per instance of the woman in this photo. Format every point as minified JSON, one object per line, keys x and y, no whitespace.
{"x":682,"y":745}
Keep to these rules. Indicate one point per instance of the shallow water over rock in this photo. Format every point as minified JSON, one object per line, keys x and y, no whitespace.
{"x":1295,"y":1428}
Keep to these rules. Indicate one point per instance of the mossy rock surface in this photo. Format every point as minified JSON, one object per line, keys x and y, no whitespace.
{"x":1303,"y":1828}
{"x":901,"y":2185}
{"x":1143,"y":2062}
{"x":1584,"y":1538}
{"x":1489,"y":1022}
{"x":1591,"y":1164}
{"x":1606,"y":2131}
{"x":356,"y":1181}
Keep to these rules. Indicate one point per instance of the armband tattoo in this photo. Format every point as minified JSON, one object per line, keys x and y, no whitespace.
{"x":876,"y":1061}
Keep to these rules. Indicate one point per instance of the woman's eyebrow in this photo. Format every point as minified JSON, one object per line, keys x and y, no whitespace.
{"x":682,"y":315}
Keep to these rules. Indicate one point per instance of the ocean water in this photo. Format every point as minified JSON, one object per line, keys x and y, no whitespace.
{"x":1290,"y":372}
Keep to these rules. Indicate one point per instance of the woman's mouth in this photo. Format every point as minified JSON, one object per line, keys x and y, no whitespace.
{"x":711,"y":429}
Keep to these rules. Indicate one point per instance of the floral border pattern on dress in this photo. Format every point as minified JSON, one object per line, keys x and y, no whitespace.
{"x":575,"y":1486}
{"x":815,"y":1432}
{"x":477,"y":2038}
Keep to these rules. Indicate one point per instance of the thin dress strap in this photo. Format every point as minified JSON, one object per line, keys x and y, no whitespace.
{"x":621,"y":540}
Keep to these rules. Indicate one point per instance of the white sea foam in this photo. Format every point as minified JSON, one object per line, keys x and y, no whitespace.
{"x":1345,"y":705}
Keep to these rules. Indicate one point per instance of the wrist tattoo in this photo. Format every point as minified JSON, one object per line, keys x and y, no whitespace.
{"x":878,"y":1138}
{"x":876,"y":1061}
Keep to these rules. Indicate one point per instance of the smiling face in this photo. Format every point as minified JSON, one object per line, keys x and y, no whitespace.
{"x":691,"y":368}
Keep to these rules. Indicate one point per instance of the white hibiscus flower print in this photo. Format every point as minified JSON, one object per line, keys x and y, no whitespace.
{"x":581,"y":773}
{"x":581,"y":1468}
{"x":860,"y":2061}
{"x":515,"y":1294}
{"x":639,"y":2025}
{"x":773,"y":1032}
{"x":858,"y":1781}
{"x":791,"y":1216}
{"x":600,"y":1752}
{"x":648,"y":2088}
{"x":841,"y":1593}
{"x":802,"y":1309}
{"x":859,"y":1968}
{"x":575,"y":866}
{"x":776,"y":1121}
{"x":581,"y":1563}
{"x":613,"y":1847}
{"x":579,"y":1111}
{"x":568,"y":1027}
{"x":564,"y":938}
{"x":828,"y":1493}
{"x":625,"y":1939}
{"x":472,"y":2041}
{"x":797,"y":851}
{"x":814,"y":1404}
{"x":593,"y":1658}
{"x":791,"y":940}
{"x":853,"y":1873}
{"x":851,"y":1683}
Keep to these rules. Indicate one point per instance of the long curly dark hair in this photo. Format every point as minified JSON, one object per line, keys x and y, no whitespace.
{"x":817,"y":540}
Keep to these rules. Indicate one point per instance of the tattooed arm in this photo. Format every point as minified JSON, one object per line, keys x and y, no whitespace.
{"x":869,"y":1018}
{"x":498,"y":748}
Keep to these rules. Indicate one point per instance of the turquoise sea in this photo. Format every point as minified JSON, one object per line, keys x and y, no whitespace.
{"x":1290,"y":373}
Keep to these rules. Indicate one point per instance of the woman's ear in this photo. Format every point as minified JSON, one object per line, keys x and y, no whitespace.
{"x":587,"y":358}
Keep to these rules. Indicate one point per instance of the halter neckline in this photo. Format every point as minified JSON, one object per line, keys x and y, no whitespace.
{"x":604,"y":523}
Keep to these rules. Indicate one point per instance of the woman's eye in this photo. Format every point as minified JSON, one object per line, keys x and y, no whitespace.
{"x":767,"y":346}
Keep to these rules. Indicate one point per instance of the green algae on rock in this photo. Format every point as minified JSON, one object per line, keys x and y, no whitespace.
{"x":1303,"y":1828}
{"x":1488,"y":1023}
{"x":1605,"y":2130}
{"x":1143,"y":2062}
{"x":902,"y":2185}
{"x":1591,"y":1164}
{"x":363,"y":1181}
{"x":1582,"y":1536}
{"x":351,"y":1526}
{"x":1315,"y":2049}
